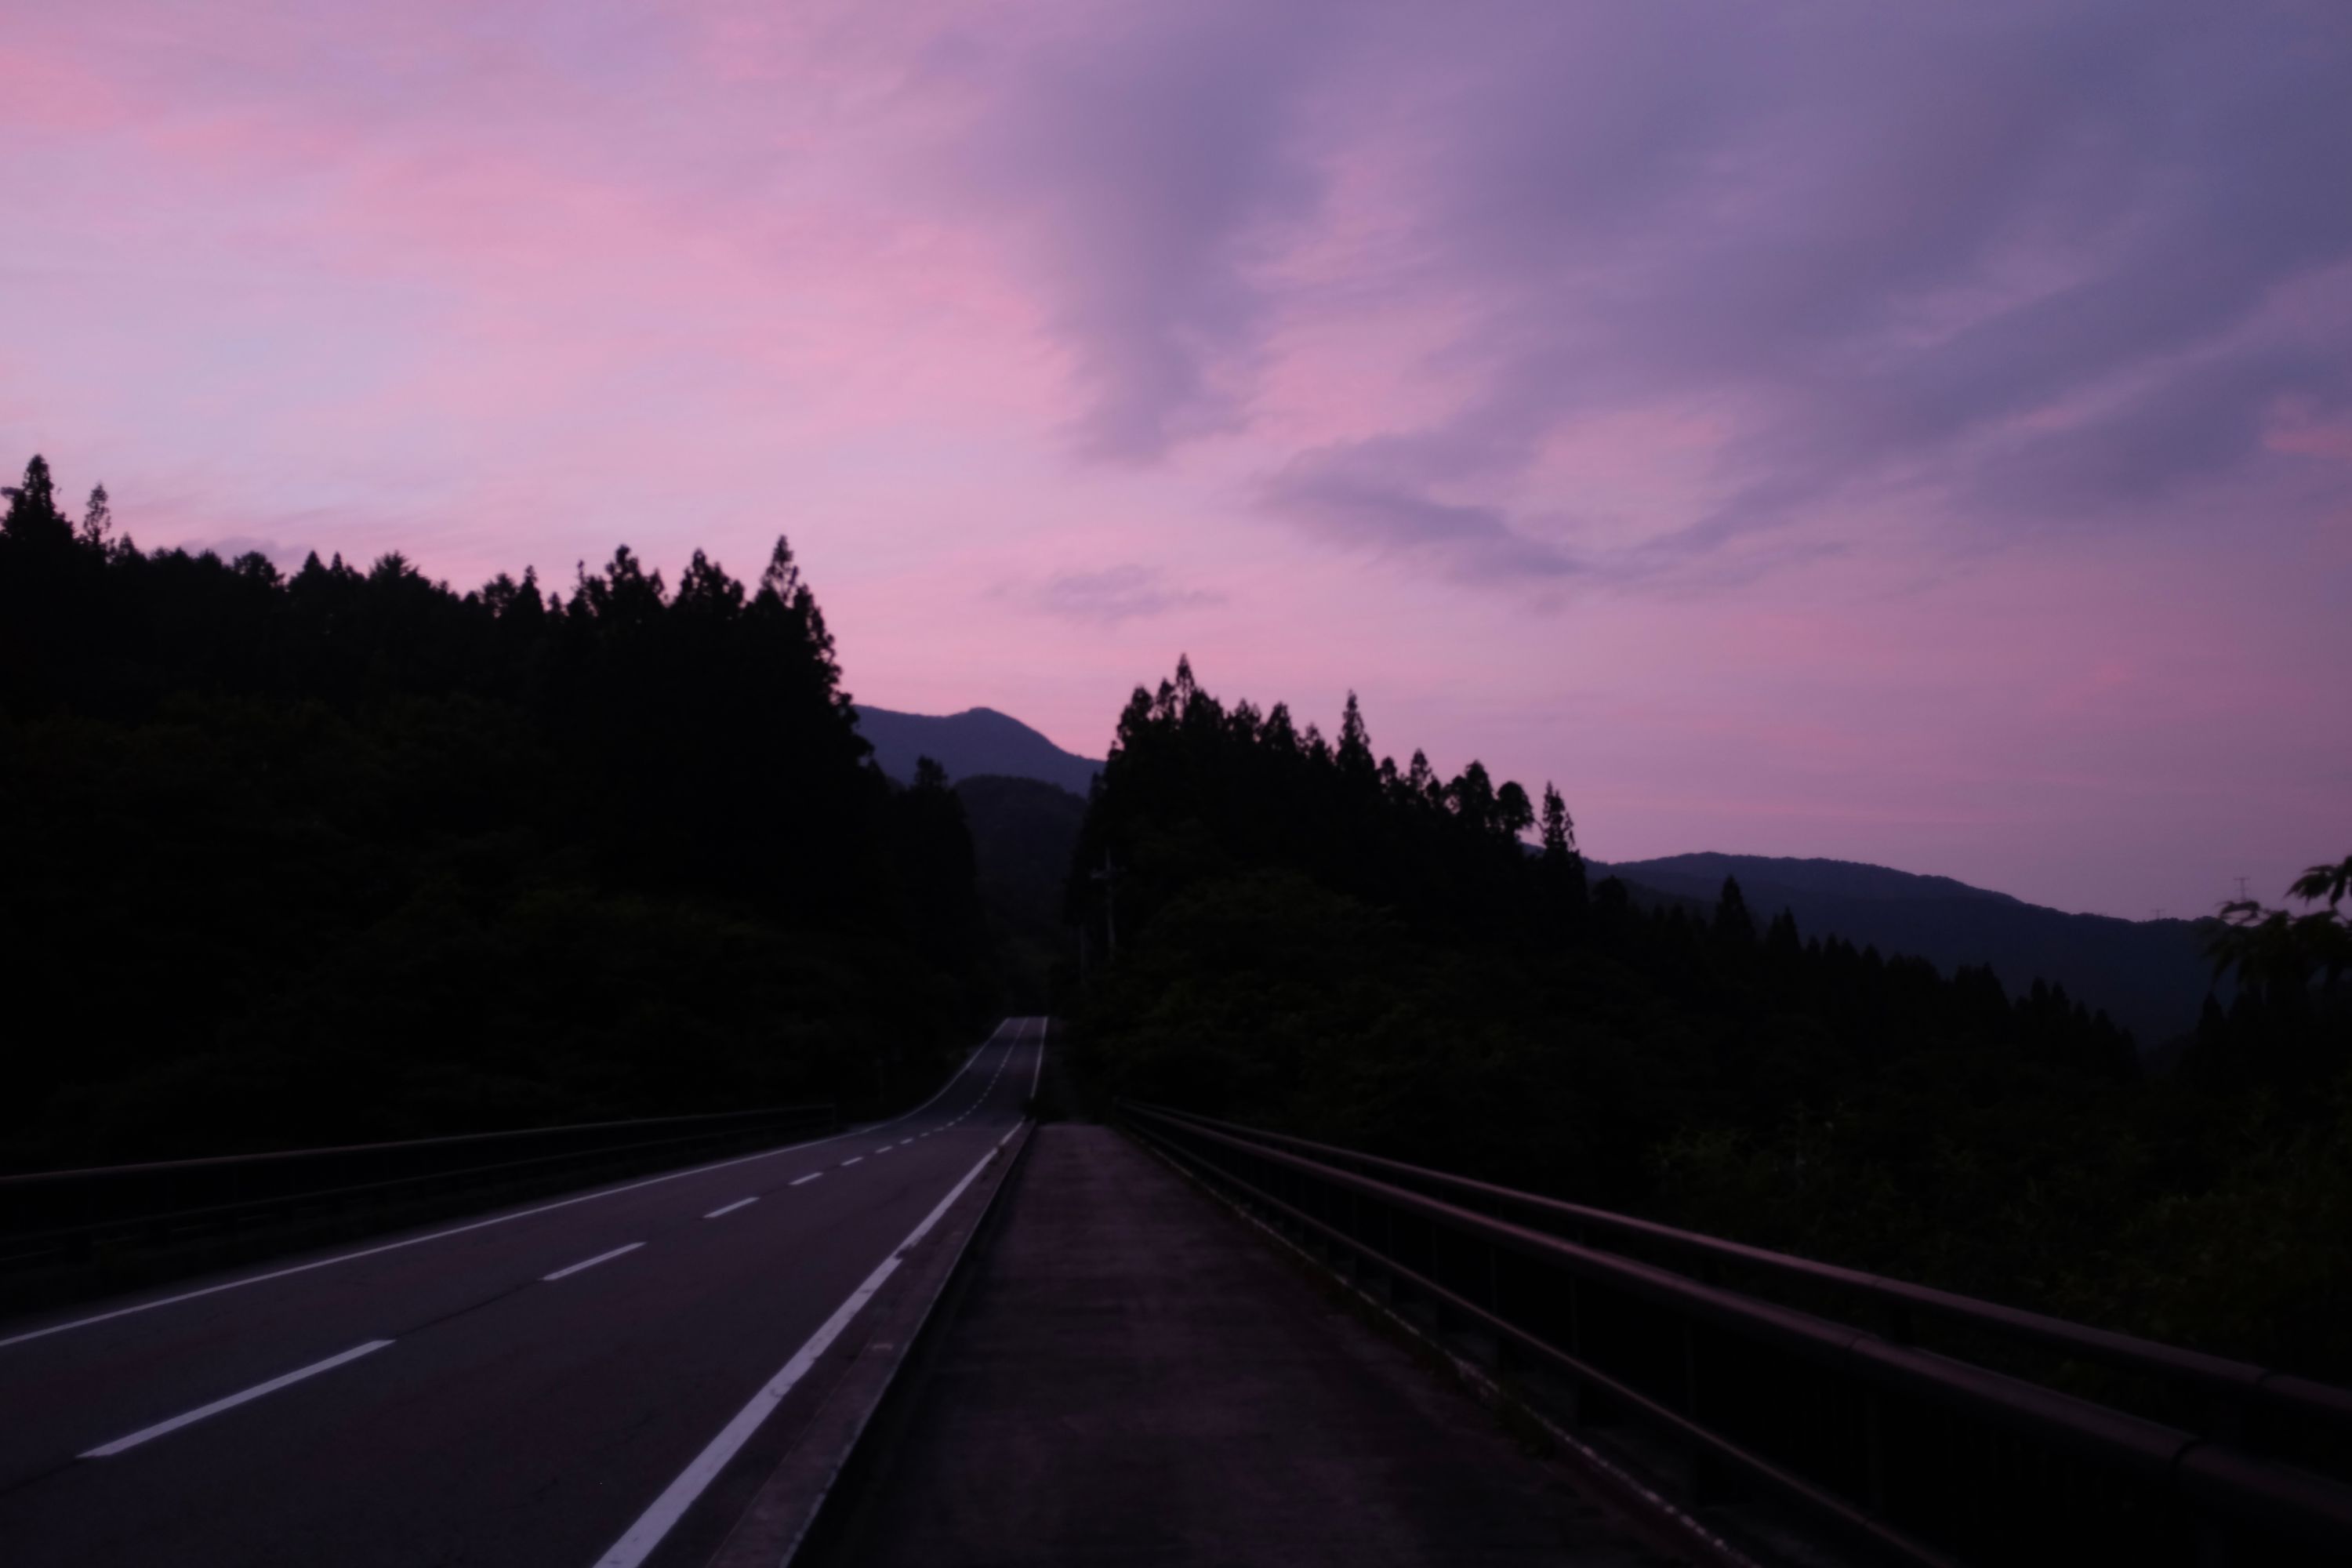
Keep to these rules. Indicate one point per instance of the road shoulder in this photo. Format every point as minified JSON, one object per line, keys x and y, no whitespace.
{"x":855,"y":1375}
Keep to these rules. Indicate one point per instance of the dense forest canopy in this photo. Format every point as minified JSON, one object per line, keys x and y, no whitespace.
{"x":1313,"y":938}
{"x":344,"y":853}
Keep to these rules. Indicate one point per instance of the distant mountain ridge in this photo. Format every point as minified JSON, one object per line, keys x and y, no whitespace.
{"x":1831,"y":879}
{"x":2151,"y":976}
{"x":978,"y":740}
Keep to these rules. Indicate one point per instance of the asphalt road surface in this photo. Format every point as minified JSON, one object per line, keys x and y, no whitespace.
{"x":571,"y":1383}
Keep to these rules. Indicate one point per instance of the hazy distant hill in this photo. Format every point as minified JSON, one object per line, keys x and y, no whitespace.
{"x":1024,"y":797}
{"x":1023,"y":834}
{"x":2150,"y":975}
{"x":976,"y":740}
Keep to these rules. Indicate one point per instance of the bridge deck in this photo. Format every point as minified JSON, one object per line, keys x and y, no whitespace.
{"x":1132,"y":1378}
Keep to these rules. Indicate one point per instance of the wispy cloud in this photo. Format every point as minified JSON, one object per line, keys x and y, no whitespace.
{"x":1112,"y":594}
{"x":2031,"y":264}
{"x":1141,"y":169}
{"x":1739,"y":378}
{"x":1373,"y":497}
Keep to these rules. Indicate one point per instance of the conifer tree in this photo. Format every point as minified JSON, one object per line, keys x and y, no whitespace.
{"x":1355,"y":752}
{"x":1281,"y":737}
{"x":1421,"y":780}
{"x":33,"y":517}
{"x":1559,"y":827}
{"x":97,"y":520}
{"x":1733,"y":924}
{"x":1563,"y":867}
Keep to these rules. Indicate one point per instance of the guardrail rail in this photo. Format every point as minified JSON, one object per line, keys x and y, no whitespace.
{"x":1960,"y":1451}
{"x":65,"y":1232}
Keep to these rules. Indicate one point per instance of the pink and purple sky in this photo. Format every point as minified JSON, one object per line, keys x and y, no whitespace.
{"x":1918,"y":433}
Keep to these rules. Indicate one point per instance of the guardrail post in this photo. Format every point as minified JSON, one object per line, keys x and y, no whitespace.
{"x":1388,"y":1251}
{"x":1494,"y":1302}
{"x":2225,"y":1422}
{"x":1874,"y":1456}
{"x":1695,"y":1465}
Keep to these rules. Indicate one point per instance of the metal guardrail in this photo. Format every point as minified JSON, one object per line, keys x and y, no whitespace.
{"x":58,"y":1220}
{"x":1905,"y":1453}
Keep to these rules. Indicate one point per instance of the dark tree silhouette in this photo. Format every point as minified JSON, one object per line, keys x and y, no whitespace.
{"x":97,"y":520}
{"x":1733,"y":924}
{"x":33,"y":521}
{"x":350,"y":854}
{"x":1388,"y":966}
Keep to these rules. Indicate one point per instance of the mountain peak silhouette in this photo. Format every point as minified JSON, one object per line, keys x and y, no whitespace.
{"x":976,"y":740}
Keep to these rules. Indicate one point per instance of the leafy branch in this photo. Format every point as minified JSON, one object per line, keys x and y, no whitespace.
{"x":2280,"y":947}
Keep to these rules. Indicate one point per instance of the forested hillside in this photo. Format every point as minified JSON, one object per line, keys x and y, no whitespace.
{"x":347,"y":854}
{"x":1023,"y":830}
{"x":1314,"y":939}
{"x":2151,"y":976}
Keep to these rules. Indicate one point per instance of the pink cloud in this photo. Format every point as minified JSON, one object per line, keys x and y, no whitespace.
{"x":1914,"y":436}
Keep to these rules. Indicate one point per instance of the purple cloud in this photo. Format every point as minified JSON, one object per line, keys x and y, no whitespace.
{"x":1115,"y":593}
{"x":1941,"y":407}
{"x":1145,"y":161}
{"x":1954,"y":256}
{"x":1374,"y":496}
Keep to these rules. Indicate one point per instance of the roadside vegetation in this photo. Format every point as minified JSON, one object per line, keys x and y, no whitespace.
{"x":346,"y":854}
{"x":1314,"y":939}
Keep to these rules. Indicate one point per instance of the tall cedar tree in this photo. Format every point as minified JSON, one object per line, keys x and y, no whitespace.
{"x":346,"y":853}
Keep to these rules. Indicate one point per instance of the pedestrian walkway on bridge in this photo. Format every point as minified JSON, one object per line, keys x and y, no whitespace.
{"x":1131,"y":1377}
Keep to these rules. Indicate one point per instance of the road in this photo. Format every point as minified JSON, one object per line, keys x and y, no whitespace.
{"x":571,"y":1383}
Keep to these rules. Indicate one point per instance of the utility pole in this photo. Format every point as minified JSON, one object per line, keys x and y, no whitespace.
{"x":2243,"y":897}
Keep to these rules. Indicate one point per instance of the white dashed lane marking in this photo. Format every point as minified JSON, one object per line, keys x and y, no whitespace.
{"x":108,"y":1450}
{"x":569,"y":1269}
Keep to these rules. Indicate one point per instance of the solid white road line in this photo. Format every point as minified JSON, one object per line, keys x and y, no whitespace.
{"x":730,"y":1208}
{"x":108,"y":1450}
{"x":484,"y":1224}
{"x":641,"y":1538}
{"x":570,"y":1269}
{"x":804,"y":1181}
